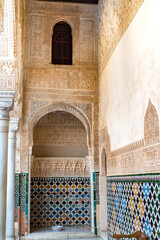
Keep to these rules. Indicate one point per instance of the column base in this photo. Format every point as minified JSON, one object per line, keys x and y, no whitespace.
{"x":10,"y":237}
{"x":104,"y":235}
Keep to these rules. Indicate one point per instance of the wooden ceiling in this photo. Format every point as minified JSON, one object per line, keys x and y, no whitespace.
{"x":74,"y":1}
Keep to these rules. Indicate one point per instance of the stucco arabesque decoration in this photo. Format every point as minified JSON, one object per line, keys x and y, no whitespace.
{"x":46,"y":108}
{"x":60,"y":167}
{"x":142,"y":153}
{"x":7,"y":74}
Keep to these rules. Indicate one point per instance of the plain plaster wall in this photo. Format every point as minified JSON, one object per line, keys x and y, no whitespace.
{"x":60,"y":151}
{"x":131,"y":77}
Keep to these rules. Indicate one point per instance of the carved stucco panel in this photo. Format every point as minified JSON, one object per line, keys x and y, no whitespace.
{"x":60,"y":167}
{"x":36,"y":105}
{"x":61,"y":79}
{"x":37,"y":37}
{"x":151,"y":125}
{"x":87,"y":38}
{"x":7,"y":74}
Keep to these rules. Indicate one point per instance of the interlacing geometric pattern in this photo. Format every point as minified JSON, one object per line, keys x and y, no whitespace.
{"x":60,"y":201}
{"x":17,"y":196}
{"x":21,"y":203}
{"x":133,"y":203}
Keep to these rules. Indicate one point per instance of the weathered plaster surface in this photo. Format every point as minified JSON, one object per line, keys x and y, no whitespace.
{"x":114,"y":17}
{"x":131,"y":77}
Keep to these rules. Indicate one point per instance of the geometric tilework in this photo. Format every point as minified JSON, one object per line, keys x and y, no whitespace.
{"x":97,"y":187}
{"x":21,"y":203}
{"x":95,"y":198}
{"x":24,"y":203}
{"x":60,"y":201}
{"x":17,"y":196}
{"x":133,"y":203}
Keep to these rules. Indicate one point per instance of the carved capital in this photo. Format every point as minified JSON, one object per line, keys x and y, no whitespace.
{"x":6,"y":100}
{"x":30,"y":150}
{"x":13,"y":124}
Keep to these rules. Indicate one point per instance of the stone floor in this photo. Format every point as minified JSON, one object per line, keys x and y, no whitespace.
{"x":86,"y":239}
{"x":69,"y":233}
{"x":48,"y":229}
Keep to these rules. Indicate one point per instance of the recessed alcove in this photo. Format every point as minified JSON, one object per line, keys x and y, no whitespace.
{"x":60,"y":192}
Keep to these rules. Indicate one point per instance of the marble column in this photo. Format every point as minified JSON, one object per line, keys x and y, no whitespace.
{"x":29,"y":184}
{"x":103,"y":202}
{"x":6,"y":104}
{"x":92,"y":197}
{"x":13,"y":127}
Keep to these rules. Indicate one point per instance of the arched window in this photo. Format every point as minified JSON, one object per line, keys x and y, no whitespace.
{"x":62,"y":44}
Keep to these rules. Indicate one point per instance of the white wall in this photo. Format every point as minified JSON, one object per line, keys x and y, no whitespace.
{"x":131,"y":77}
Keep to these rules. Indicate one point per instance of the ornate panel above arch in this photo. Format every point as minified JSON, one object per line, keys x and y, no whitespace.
{"x":86,"y":108}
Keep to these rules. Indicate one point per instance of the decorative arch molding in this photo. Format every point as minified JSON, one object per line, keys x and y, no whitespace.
{"x":61,"y":19}
{"x":59,"y":107}
{"x":151,"y":125}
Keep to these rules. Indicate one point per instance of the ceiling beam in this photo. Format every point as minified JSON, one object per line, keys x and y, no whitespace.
{"x":73,"y":1}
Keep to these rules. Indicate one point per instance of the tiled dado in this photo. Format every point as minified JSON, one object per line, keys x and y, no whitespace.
{"x":17,"y":209}
{"x":95,"y":197}
{"x":21,"y":203}
{"x":133,"y":203}
{"x":60,"y":201}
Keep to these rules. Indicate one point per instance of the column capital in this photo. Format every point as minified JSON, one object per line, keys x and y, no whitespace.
{"x":13,"y":124}
{"x":30,"y":150}
{"x":6,"y":100}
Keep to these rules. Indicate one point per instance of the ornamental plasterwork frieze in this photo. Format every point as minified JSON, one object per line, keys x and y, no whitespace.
{"x":48,"y":78}
{"x":59,"y":8}
{"x":6,"y":100}
{"x":7,"y":67}
{"x":7,"y":74}
{"x":60,"y":167}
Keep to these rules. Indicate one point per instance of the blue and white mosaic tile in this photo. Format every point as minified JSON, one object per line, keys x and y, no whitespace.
{"x":60,"y":201}
{"x":133,"y":203}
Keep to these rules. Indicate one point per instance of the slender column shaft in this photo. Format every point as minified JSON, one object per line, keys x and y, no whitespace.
{"x":29,"y":183}
{"x":6,"y":104}
{"x":13,"y":127}
{"x":92,"y":199}
{"x":103,"y":203}
{"x":4,"y":124}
